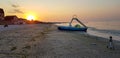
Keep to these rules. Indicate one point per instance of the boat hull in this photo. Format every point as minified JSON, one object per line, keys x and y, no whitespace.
{"x":68,"y":28}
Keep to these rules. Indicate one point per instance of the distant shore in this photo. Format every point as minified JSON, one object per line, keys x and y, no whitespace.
{"x":45,"y":41}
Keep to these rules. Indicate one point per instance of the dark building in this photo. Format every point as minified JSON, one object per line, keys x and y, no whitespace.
{"x":1,"y":14}
{"x":14,"y":20}
{"x":11,"y":19}
{"x":21,"y":21}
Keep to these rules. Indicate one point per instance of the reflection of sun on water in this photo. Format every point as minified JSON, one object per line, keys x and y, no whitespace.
{"x":30,"y":17}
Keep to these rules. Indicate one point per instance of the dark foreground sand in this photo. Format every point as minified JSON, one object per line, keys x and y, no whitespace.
{"x":45,"y":41}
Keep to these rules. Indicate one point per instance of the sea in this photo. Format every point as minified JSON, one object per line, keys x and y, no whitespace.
{"x":103,"y":29}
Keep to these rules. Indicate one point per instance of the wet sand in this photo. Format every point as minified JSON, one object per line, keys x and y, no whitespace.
{"x":45,"y":41}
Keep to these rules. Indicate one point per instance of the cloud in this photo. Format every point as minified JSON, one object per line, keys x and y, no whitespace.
{"x":15,"y":6}
{"x":16,"y":11}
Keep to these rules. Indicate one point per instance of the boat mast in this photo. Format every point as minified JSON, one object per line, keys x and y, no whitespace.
{"x":75,"y":18}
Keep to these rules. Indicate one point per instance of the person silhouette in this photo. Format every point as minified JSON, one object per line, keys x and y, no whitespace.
{"x":5,"y":25}
{"x":110,"y":44}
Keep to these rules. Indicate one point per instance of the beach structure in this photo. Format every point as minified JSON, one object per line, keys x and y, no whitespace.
{"x":21,"y":21}
{"x":71,"y":28}
{"x":1,"y":14}
{"x":13,"y":19}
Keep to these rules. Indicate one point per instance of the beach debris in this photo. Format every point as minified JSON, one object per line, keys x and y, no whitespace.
{"x":110,"y":43}
{"x":93,"y":44}
{"x":27,"y":47}
{"x":5,"y":25}
{"x":13,"y":48}
{"x":32,"y":39}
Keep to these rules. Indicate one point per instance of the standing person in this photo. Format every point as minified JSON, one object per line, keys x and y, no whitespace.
{"x":110,"y":44}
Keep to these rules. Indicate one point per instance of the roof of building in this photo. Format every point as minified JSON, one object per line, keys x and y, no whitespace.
{"x":1,"y":10}
{"x":10,"y":17}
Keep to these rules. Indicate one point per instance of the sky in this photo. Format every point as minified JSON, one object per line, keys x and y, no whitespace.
{"x":63,"y":10}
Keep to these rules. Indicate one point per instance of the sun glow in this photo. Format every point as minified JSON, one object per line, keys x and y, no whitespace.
{"x":30,"y":17}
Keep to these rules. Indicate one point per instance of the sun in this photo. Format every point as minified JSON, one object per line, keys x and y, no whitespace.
{"x":30,"y":17}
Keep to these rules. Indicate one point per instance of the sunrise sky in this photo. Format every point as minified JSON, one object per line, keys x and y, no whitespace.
{"x":63,"y":10}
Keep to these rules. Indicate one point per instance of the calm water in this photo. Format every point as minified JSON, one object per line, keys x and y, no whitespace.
{"x":103,"y":29}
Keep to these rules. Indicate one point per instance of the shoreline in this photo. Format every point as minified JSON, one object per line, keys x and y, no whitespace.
{"x":44,"y":40}
{"x":101,"y":33}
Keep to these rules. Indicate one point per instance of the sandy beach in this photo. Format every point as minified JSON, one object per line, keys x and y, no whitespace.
{"x":45,"y":41}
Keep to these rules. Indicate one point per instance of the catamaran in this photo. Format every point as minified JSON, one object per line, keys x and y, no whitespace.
{"x":71,"y":28}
